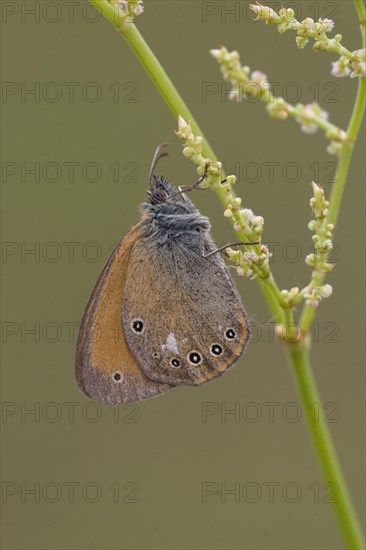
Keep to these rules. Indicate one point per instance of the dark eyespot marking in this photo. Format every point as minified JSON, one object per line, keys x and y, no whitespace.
{"x":216,"y":349}
{"x":117,"y":377}
{"x":175,"y":363}
{"x":138,"y":326}
{"x":155,"y":355}
{"x":230,"y":334}
{"x":194,"y":358}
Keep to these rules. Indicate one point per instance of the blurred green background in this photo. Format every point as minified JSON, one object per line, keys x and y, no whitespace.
{"x":143,"y":476}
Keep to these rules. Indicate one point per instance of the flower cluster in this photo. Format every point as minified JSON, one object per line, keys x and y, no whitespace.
{"x":247,"y":84}
{"x":249,"y":263}
{"x":307,"y":114}
{"x":291,"y":297}
{"x":253,"y":261}
{"x":193,"y":150}
{"x":323,"y":232}
{"x":349,"y":63}
{"x":323,"y":244}
{"x":244,"y":83}
{"x":322,"y":238}
{"x":127,"y":10}
{"x":314,"y":295}
{"x":354,"y":66}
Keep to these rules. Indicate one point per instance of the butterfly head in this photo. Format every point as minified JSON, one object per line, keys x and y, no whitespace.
{"x":166,"y":210}
{"x":161,"y":191}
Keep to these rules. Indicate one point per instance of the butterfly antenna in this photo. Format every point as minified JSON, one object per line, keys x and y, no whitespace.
{"x":157,"y":156}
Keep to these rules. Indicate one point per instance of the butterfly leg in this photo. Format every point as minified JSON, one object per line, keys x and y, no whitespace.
{"x":227,"y":246}
{"x":187,"y":188}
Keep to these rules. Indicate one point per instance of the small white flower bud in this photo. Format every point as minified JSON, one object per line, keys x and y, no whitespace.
{"x":301,"y":41}
{"x":326,"y":291}
{"x":312,"y":225}
{"x":216,"y":53}
{"x":188,"y":152}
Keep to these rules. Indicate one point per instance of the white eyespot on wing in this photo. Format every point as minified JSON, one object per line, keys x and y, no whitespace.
{"x":171,"y":344}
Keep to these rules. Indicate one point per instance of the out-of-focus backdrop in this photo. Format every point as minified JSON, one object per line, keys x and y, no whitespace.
{"x":228,"y":464}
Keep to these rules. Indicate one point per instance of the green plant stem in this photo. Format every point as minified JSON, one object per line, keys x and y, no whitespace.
{"x":297,"y":111}
{"x":298,"y":352}
{"x":299,"y":361}
{"x":361,"y":11}
{"x":308,"y":313}
{"x":163,"y":83}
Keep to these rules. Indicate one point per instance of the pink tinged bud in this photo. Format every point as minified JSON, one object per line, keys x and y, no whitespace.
{"x":308,"y":24}
{"x":339,"y":69}
{"x":216,"y":53}
{"x":264,"y":13}
{"x":234,"y":96}
{"x":258,"y":76}
{"x":325,"y":25}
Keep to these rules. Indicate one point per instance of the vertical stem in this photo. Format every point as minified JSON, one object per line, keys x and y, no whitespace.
{"x":361,"y":11}
{"x":299,"y":361}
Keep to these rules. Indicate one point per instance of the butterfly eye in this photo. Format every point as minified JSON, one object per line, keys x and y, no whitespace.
{"x":230,"y":334}
{"x":138,"y":326}
{"x":216,"y":349}
{"x":117,"y":377}
{"x":175,"y":363}
{"x":195,"y":358}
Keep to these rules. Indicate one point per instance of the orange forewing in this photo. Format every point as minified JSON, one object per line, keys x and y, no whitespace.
{"x":102,"y":350}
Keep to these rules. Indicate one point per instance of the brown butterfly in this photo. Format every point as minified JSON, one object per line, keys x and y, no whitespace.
{"x":164,"y":311}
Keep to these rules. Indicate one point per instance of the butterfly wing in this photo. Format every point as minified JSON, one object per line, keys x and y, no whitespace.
{"x":182,"y":315}
{"x":105,"y":368}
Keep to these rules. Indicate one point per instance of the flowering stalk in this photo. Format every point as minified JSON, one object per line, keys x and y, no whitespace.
{"x":247,"y":84}
{"x":323,"y":232}
{"x":247,"y":226}
{"x":349,"y":63}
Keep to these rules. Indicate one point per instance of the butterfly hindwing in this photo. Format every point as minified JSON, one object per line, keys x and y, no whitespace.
{"x":182,"y":315}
